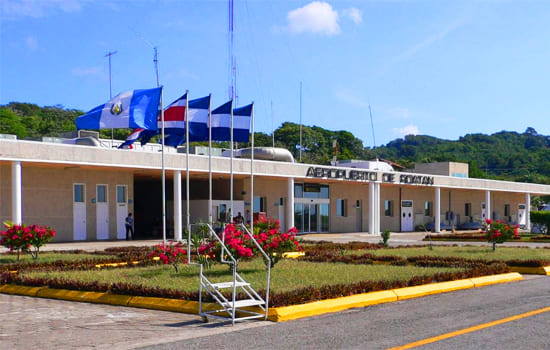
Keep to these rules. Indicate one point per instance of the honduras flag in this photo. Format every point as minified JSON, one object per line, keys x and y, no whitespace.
{"x":221,"y":122}
{"x":241,"y":123}
{"x":131,"y":109}
{"x":142,"y":134}
{"x":174,"y":120}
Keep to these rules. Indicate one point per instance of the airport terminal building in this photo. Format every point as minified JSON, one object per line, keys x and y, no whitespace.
{"x":85,"y":192}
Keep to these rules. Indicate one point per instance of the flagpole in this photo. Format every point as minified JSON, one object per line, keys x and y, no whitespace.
{"x":231,"y":167}
{"x":109,"y":54}
{"x":162,"y":150}
{"x":252,"y":173}
{"x":210,"y":222}
{"x":188,"y":217}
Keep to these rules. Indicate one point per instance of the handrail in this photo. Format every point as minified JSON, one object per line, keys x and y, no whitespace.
{"x":268,"y":259}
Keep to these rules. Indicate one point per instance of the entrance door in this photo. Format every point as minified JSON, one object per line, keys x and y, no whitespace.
{"x":311,"y":218}
{"x":121,"y":210}
{"x":407,"y":218}
{"x":358,"y":216}
{"x":102,"y":212}
{"x":483,"y":212}
{"x":522,"y":216}
{"x":79,"y":212}
{"x":282,"y":213}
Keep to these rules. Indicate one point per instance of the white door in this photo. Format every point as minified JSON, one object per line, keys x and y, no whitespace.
{"x":407,"y":218}
{"x":522,"y":215}
{"x":483,"y":213}
{"x":121,"y":210}
{"x":79,"y":212}
{"x":102,"y":212}
{"x":358,"y":216}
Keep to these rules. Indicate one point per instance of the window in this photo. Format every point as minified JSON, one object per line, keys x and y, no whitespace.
{"x":121,"y":194}
{"x":298,"y":190}
{"x":260,"y":204}
{"x":428,"y":208}
{"x":101,"y":193}
{"x":506,"y":209}
{"x":341,"y":207}
{"x":467,"y":209}
{"x":388,"y":207}
{"x":79,"y":193}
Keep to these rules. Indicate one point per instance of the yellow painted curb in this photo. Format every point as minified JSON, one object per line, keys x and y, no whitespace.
{"x":176,"y":305}
{"x":72,"y":295}
{"x":19,"y":290}
{"x":114,"y":299}
{"x":543,"y":270}
{"x":502,"y":278}
{"x":293,"y":255}
{"x":293,"y":312}
{"x":427,"y":289}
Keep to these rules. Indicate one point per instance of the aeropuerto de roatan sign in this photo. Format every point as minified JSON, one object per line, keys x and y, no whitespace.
{"x":369,"y":176}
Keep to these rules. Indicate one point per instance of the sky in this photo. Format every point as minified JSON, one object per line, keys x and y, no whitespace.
{"x":439,"y":68}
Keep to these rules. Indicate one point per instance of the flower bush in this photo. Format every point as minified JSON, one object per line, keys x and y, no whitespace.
{"x":24,"y":238}
{"x":499,"y":231}
{"x":275,"y":243}
{"x":171,"y":253}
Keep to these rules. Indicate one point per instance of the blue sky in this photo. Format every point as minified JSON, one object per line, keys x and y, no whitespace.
{"x":439,"y":68}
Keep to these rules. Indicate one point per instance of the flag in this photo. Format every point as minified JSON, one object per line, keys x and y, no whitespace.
{"x":142,"y":134}
{"x":241,"y":123}
{"x":221,"y":122}
{"x":132,"y":109}
{"x":174,"y":120}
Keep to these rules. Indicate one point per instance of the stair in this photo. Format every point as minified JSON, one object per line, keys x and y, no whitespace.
{"x":231,"y":308}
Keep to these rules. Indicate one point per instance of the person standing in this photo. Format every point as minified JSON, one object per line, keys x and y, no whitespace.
{"x":129,"y":221}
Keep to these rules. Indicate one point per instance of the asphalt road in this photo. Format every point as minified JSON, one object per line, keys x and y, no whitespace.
{"x":34,"y":323}
{"x":395,"y":324}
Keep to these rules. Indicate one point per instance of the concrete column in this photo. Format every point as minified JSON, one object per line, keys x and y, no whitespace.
{"x":372,"y":205}
{"x":488,"y":211}
{"x":16,"y":193}
{"x":437,"y":212}
{"x":377,"y":207}
{"x":177,"y":206}
{"x":528,"y":211}
{"x":290,"y":204}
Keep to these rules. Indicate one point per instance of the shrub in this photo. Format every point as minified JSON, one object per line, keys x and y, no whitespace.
{"x":499,"y":232}
{"x":25,"y":238}
{"x":385,"y":237}
{"x":171,"y":253}
{"x":542,"y":218}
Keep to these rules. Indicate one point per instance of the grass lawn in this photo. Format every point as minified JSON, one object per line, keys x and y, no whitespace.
{"x":10,"y":258}
{"x":287,"y":275}
{"x":468,"y":252}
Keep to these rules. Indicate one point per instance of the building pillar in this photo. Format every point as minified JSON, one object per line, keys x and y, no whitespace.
{"x":377,"y":208}
{"x":16,"y":193}
{"x":290,"y":204}
{"x":177,"y":206}
{"x":528,"y":211}
{"x":437,"y":207}
{"x":488,"y":212}
{"x":372,"y":205}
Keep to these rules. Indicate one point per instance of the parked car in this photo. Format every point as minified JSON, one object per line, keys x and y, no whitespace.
{"x":472,"y":225}
{"x":442,"y":226}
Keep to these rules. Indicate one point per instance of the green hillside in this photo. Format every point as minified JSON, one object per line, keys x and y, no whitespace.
{"x":504,"y":155}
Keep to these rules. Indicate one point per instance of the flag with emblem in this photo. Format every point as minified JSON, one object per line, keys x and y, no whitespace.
{"x":132,"y":109}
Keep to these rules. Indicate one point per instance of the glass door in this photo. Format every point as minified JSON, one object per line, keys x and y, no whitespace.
{"x":313,"y":218}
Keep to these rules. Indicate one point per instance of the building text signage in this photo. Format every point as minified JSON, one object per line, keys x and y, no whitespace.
{"x":365,"y":175}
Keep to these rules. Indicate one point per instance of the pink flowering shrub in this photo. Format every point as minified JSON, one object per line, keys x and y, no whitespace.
{"x":499,"y":231}
{"x":23,"y":238}
{"x":171,"y":253}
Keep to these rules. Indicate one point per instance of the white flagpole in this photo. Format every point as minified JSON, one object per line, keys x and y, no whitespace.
{"x":188,"y":215}
{"x":252,"y":173}
{"x":231,"y":168}
{"x":162,"y":151}
{"x":210,"y":221}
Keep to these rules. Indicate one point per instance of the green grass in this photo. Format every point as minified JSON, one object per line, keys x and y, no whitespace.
{"x":10,"y":258}
{"x":288,"y":274}
{"x":468,"y":252}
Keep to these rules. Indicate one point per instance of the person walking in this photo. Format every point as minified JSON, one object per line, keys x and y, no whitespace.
{"x":129,"y":227}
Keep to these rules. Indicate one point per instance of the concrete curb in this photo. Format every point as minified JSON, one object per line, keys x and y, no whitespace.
{"x":543,"y":270}
{"x":278,"y":314}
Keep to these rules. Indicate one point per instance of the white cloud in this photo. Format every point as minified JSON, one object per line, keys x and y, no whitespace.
{"x":31,"y":43}
{"x":407,"y":130}
{"x":354,"y":14}
{"x":37,"y":8}
{"x":89,"y":72}
{"x":316,"y":17}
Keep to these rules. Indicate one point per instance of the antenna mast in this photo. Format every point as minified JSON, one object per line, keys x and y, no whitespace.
{"x":300,"y":122}
{"x":372,"y":127}
{"x":232,"y":61}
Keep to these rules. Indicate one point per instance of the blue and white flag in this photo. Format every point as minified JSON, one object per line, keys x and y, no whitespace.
{"x":131,"y":109}
{"x":143,"y":135}
{"x":174,"y":120}
{"x":221,"y":122}
{"x":241,"y":123}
